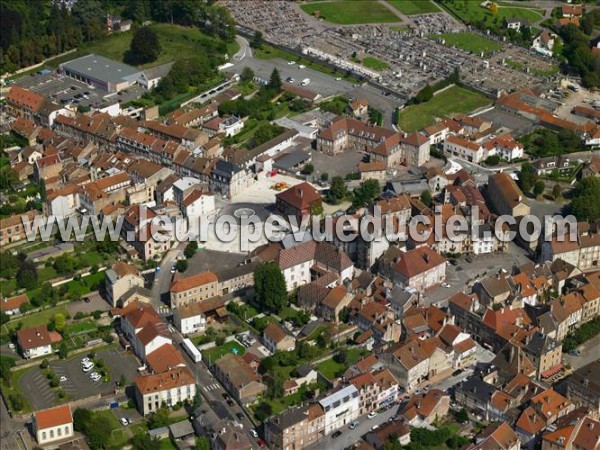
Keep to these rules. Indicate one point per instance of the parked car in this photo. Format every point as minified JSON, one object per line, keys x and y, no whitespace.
{"x":173,"y":269}
{"x":230,"y":402}
{"x":62,"y":379}
{"x":225,"y":396}
{"x":353,"y":425}
{"x":239,"y":415}
{"x":446,"y":285}
{"x":301,"y":66}
{"x":124,"y":421}
{"x":371,"y":414}
{"x":85,"y":360}
{"x":336,"y":434}
{"x":261,"y":443}
{"x":87,"y":367}
{"x":291,"y":63}
{"x":254,"y":433}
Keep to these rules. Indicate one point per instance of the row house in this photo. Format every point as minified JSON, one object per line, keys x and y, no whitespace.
{"x":188,"y":137}
{"x":426,"y":409}
{"x":296,"y":428}
{"x":583,"y":388}
{"x":573,"y":432}
{"x":170,"y":387}
{"x":12,"y":229}
{"x":299,"y":201}
{"x":32,"y":106}
{"x":465,"y":149}
{"x":583,"y":253}
{"x":229,"y":179}
{"x":193,"y":289}
{"x":119,"y":279}
{"x":194,"y":117}
{"x":143,"y":328}
{"x":107,"y":191}
{"x":505,"y":196}
{"x":98,"y":128}
{"x":505,"y":147}
{"x":341,"y":408}
{"x":376,"y":390}
{"x":149,"y":240}
{"x":420,"y":269}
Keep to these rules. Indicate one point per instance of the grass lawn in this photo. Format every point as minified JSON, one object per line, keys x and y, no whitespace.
{"x":351,"y":12}
{"x":39,"y":318}
{"x":166,"y":444}
{"x":282,"y":403}
{"x":453,"y":100}
{"x":176,"y":42}
{"x":85,"y":326}
{"x":470,"y":12}
{"x":470,"y":42}
{"x":78,"y":288}
{"x":214,"y":354}
{"x":409,"y":7}
{"x":15,"y":389}
{"x":7,"y":287}
{"x":374,"y":63}
{"x":330,"y":368}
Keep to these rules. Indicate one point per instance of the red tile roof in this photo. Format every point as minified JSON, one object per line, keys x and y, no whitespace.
{"x":53,"y":417}
{"x":417,"y":261}
{"x":201,"y":279}
{"x":8,"y":304}
{"x":24,"y":98}
{"x":300,"y":196}
{"x":35,"y":337}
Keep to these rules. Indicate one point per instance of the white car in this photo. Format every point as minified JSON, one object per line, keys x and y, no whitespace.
{"x":85,"y":360}
{"x":63,"y":379}
{"x":87,"y":367}
{"x":124,"y":421}
{"x":371,"y":415}
{"x":173,"y":269}
{"x":291,"y":63}
{"x":254,"y":433}
{"x":446,"y":285}
{"x":301,"y":66}
{"x":338,"y":78}
{"x":96,"y":377}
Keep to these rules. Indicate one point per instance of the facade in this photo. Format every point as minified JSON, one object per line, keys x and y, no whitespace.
{"x":465,"y":149}
{"x":276,"y":338}
{"x":341,"y":408}
{"x":299,"y":201}
{"x":144,"y":328}
{"x":193,"y":289}
{"x":53,"y":425}
{"x":189,"y":319}
{"x":505,"y":196}
{"x":11,"y":228}
{"x":171,"y":387}
{"x":295,"y":428}
{"x":119,"y":279}
{"x":102,"y":73}
{"x":239,"y":378}
{"x":420,"y":269}
{"x":583,"y":388}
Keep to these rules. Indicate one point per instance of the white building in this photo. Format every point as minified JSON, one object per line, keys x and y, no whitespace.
{"x":189,"y":319}
{"x":34,"y":342}
{"x":53,"y":425}
{"x":171,"y":387}
{"x":544,"y":43}
{"x":197,"y":204}
{"x":144,"y":328}
{"x":341,"y":408}
{"x":231,"y":125}
{"x":462,"y":148}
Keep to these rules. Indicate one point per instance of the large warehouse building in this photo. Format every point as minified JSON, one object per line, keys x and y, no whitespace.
{"x":102,"y":73}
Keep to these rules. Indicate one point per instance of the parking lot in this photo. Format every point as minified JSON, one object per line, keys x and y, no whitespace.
{"x":465,"y":272}
{"x":78,"y":384}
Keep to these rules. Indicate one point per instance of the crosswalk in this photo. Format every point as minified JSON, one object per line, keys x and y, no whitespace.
{"x":211,"y":387}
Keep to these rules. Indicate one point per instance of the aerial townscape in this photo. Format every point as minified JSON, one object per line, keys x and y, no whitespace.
{"x":300,"y":224}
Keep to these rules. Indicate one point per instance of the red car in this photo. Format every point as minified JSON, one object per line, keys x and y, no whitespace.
{"x":261,"y":443}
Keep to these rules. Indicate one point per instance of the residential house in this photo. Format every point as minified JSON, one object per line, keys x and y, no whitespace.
{"x":53,"y":425}
{"x":143,"y":328}
{"x":544,"y":43}
{"x":409,"y":363}
{"x":165,"y":358}
{"x":171,"y":387}
{"x":394,"y":430}
{"x":573,"y":434}
{"x":239,"y":378}
{"x":341,"y":408}
{"x":193,"y":289}
{"x":296,"y":427}
{"x":299,"y":201}
{"x":189,"y":319}
{"x":335,"y":301}
{"x":550,"y":405}
{"x":372,"y":171}
{"x":545,"y":353}
{"x":229,"y":179}
{"x":11,"y":228}
{"x":583,"y":388}
{"x":276,"y":338}
{"x":420,"y":268}
{"x":119,"y":279}
{"x":505,"y":196}
{"x":32,"y":106}
{"x":12,"y":306}
{"x":465,"y":149}
{"x":426,"y":408}
{"x":34,"y":342}
{"x":497,"y":436}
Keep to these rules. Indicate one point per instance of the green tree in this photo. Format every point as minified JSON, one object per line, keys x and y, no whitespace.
{"x":143,"y":441}
{"x":190,"y":249}
{"x":159,"y":418}
{"x":538,"y":188}
{"x":82,"y":419}
{"x":59,"y":322}
{"x":247,"y":75}
{"x":426,"y":198}
{"x":527,"y":177}
{"x":144,"y":47}
{"x":263,"y":411}
{"x":424,"y":95}
{"x":337,"y":190}
{"x":585,"y":205}
{"x":308,"y":169}
{"x":275,"y":81}
{"x":181,"y":265}
{"x":4,"y":318}
{"x":271,"y":290}
{"x":27,"y":275}
{"x":324,"y":176}
{"x":257,"y":40}
{"x":366,"y":193}
{"x":462,"y":416}
{"x":63,"y":350}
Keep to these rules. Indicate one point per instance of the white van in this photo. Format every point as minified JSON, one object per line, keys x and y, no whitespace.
{"x":305,"y":82}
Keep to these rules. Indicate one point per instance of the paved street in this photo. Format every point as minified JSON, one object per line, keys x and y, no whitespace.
{"x":590,"y":351}
{"x":350,"y":437}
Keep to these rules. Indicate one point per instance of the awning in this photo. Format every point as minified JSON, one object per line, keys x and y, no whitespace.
{"x":550,"y":372}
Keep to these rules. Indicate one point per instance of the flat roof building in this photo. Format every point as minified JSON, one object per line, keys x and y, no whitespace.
{"x":102,"y":73}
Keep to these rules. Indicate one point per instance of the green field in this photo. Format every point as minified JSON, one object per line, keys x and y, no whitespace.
{"x":410,"y":7}
{"x":176,"y":42}
{"x":453,"y":100}
{"x":35,"y":319}
{"x":470,"y":12}
{"x":348,"y":12}
{"x":470,"y":42}
{"x":214,"y":354}
{"x":374,"y":63}
{"x":85,"y":326}
{"x":331,"y":368}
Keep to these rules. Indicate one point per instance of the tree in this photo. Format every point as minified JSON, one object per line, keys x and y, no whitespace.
{"x":122,"y":381}
{"x":158,"y":419}
{"x":190,"y":249}
{"x":494,"y":8}
{"x":4,"y":318}
{"x":341,"y":356}
{"x":59,"y":322}
{"x":527,"y":177}
{"x":337,"y":190}
{"x":308,"y":169}
{"x":275,"y":81}
{"x":271,"y":290}
{"x":27,"y":275}
{"x":538,"y":188}
{"x":462,"y":416}
{"x":63,"y":350}
{"x":556,"y":191}
{"x":324,"y":176}
{"x":82,"y":419}
{"x":426,"y":197}
{"x":181,"y":265}
{"x":263,"y":411}
{"x":585,"y":205}
{"x":424,"y":95}
{"x":257,"y":40}
{"x":247,"y":75}
{"x":144,"y":47}
{"x":366,"y":193}
{"x":143,"y":441}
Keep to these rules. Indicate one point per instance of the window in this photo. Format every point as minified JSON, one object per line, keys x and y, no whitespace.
{"x":43,"y":435}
